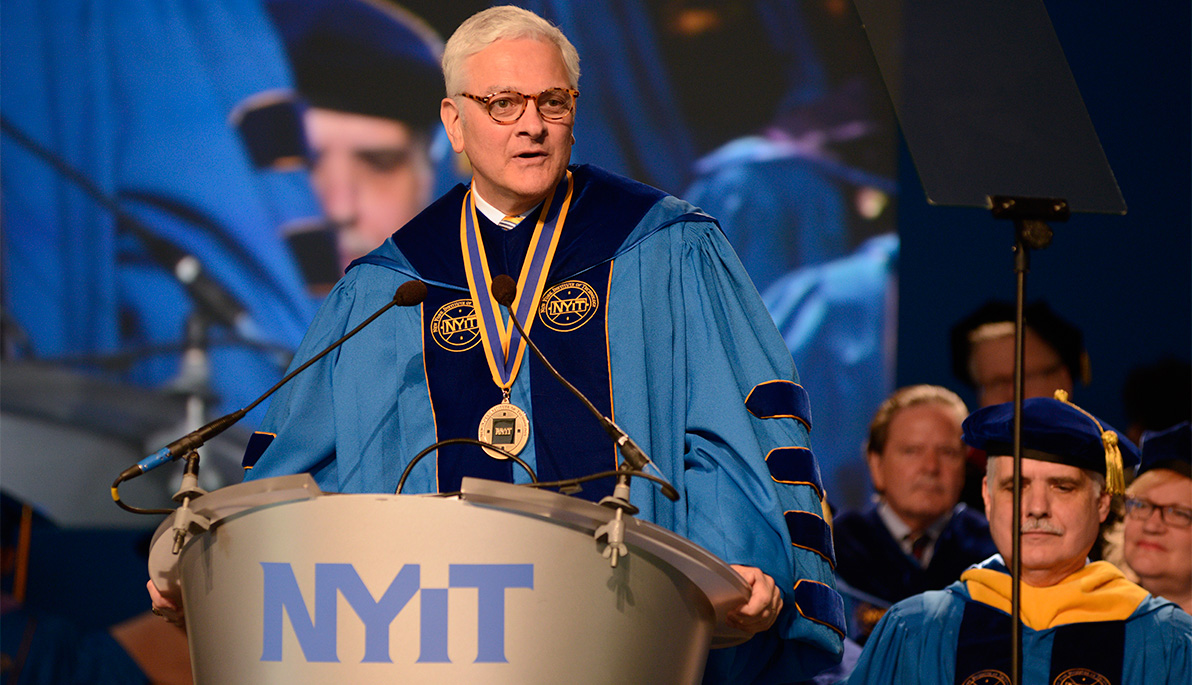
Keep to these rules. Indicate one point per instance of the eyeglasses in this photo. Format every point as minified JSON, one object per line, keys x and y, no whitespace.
{"x":508,"y":107}
{"x":1172,"y":515}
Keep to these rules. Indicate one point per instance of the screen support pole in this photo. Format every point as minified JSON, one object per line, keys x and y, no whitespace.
{"x":1031,"y":232}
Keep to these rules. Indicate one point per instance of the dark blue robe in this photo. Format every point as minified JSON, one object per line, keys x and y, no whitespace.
{"x":870,"y":560}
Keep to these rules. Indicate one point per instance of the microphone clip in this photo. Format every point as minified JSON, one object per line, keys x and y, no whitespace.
{"x":185,"y":518}
{"x":613,"y":532}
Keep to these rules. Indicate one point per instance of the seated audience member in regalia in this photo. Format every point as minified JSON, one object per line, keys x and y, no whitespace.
{"x":916,"y":536}
{"x":1082,"y":622}
{"x":1158,"y":525}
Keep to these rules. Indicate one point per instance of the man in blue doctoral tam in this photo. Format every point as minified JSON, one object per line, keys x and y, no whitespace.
{"x":1082,"y":622}
{"x":636,"y":297}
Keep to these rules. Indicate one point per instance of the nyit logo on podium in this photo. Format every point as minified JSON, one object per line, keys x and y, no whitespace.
{"x":318,"y":632}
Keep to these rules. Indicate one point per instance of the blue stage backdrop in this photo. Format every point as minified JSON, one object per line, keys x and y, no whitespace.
{"x":768,"y":114}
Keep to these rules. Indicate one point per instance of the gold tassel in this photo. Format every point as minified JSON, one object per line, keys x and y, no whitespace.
{"x":1115,"y":477}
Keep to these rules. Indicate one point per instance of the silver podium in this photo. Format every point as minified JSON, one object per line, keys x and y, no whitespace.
{"x":285,"y":584}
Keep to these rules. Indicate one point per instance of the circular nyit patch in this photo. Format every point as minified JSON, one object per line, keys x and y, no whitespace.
{"x":990,"y":676}
{"x":455,"y":326}
{"x":568,"y":305}
{"x":1080,"y":676}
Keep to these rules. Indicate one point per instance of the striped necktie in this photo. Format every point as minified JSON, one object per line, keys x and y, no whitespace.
{"x":509,"y":222}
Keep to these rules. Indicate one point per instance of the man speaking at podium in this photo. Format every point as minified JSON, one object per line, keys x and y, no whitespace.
{"x":635,"y":296}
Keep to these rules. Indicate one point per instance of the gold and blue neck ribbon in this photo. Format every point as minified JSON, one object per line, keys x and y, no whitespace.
{"x":503,"y":345}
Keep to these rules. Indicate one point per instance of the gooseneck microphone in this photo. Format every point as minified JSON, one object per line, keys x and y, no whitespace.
{"x":504,"y":291}
{"x":207,"y":293}
{"x":408,"y":294}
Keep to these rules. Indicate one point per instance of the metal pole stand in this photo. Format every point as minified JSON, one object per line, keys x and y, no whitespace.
{"x":1030,"y":232}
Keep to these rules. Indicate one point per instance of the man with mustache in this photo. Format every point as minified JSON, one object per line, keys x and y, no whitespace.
{"x":1082,"y":622}
{"x":916,"y":536}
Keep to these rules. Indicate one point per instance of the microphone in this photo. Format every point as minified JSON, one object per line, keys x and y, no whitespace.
{"x":206,"y":292}
{"x":504,"y":291}
{"x":212,"y":297}
{"x":408,"y":294}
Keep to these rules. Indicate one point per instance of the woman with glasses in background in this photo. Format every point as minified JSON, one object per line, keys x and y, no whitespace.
{"x":1158,"y":522}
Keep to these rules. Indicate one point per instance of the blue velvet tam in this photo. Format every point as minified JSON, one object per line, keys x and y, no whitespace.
{"x":1168,"y":449}
{"x":369,"y":57}
{"x":1058,"y":431}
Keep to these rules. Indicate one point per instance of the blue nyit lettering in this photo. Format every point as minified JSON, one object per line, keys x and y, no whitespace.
{"x":317,"y":633}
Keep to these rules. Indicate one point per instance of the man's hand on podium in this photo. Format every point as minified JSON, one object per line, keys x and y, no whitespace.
{"x":765,"y":601}
{"x":169,"y":608}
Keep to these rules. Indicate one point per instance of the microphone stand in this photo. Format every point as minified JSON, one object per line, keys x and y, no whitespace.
{"x":408,"y":294}
{"x":185,"y":518}
{"x":207,"y":293}
{"x":193,"y":380}
{"x":613,"y":532}
{"x":634,"y":460}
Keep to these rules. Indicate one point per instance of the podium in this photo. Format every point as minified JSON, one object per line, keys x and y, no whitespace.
{"x":285,"y":584}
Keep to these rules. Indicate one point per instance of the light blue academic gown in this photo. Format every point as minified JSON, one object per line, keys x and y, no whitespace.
{"x":688,"y":339}
{"x":916,"y":642}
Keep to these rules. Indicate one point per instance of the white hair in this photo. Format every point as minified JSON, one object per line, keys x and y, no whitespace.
{"x":502,"y":23}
